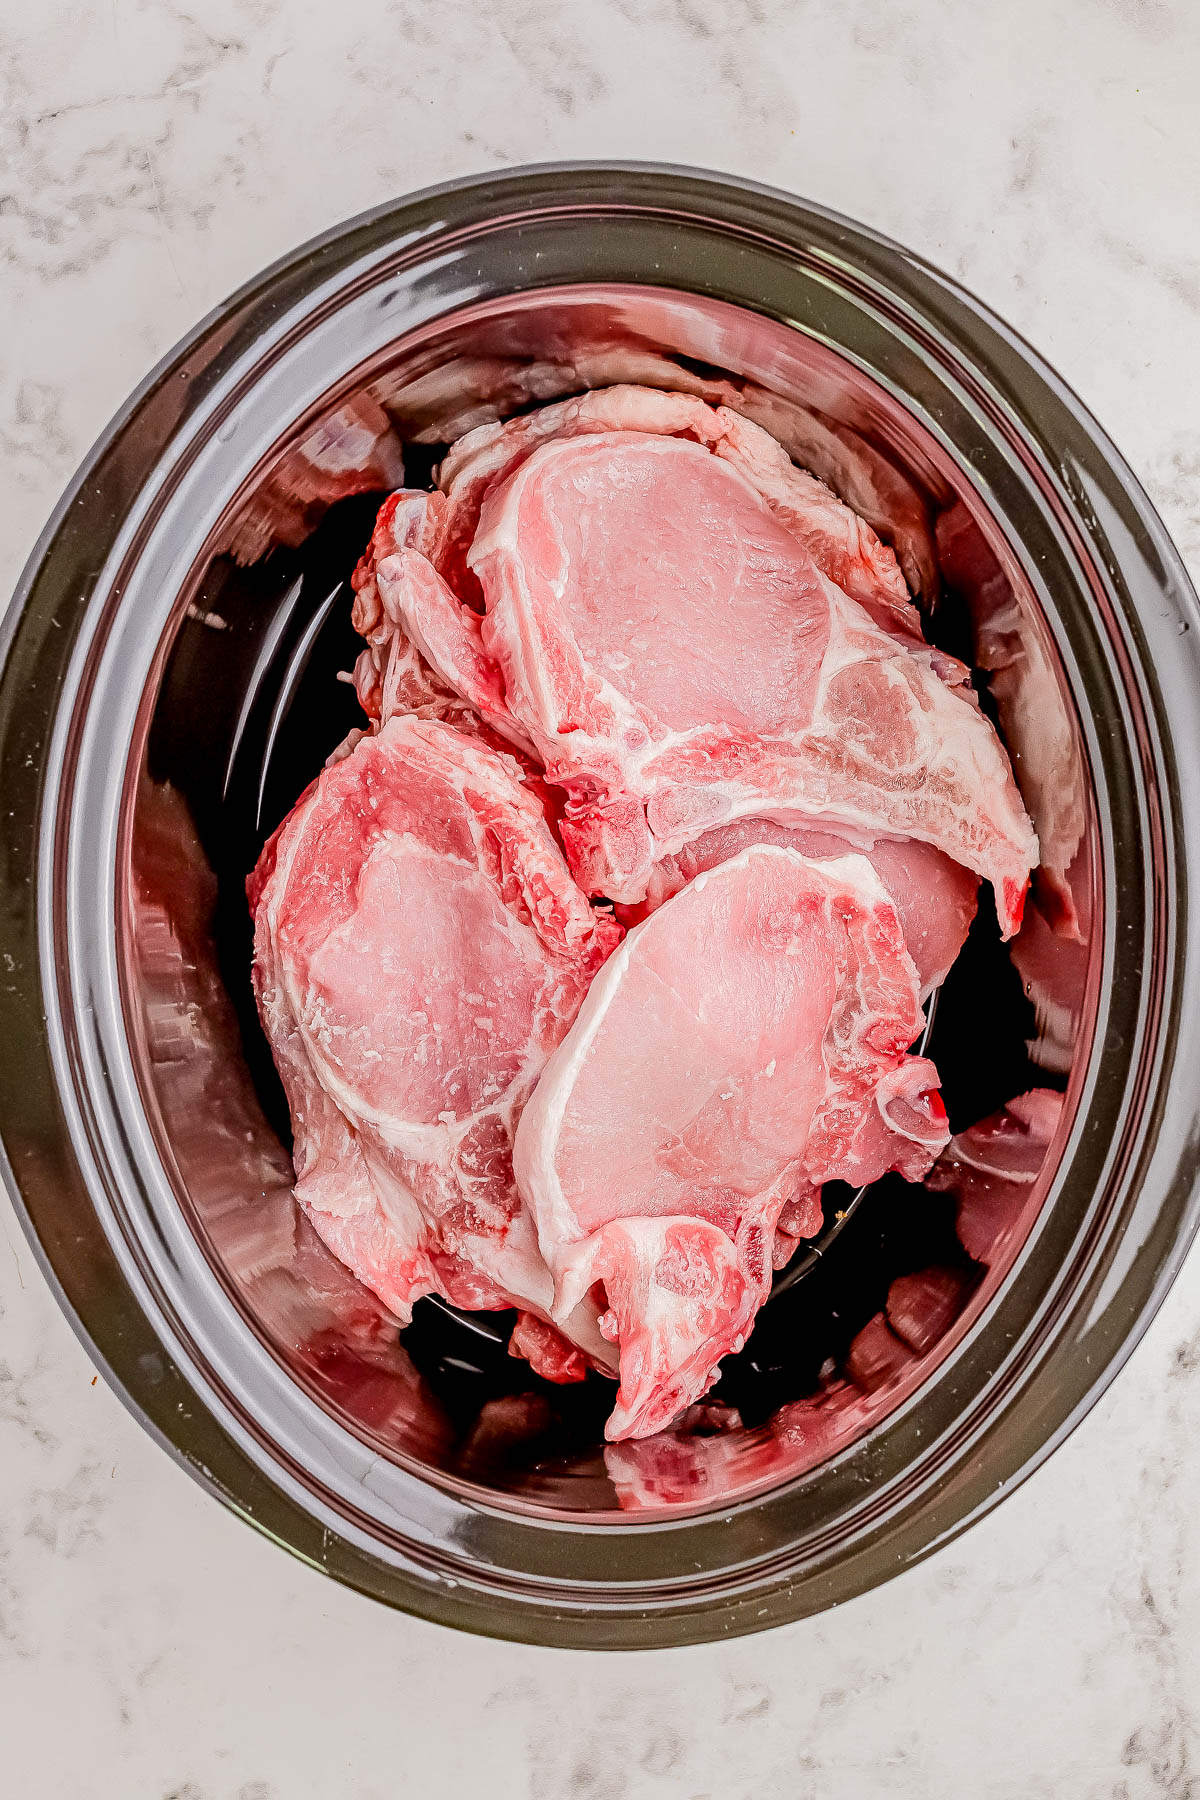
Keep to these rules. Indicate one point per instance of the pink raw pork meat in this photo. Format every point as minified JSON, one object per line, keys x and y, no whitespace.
{"x":395,"y":673}
{"x":679,"y":661}
{"x":394,"y":610}
{"x":671,"y":652}
{"x":745,"y":1044}
{"x":934,"y":898}
{"x":841,"y":543}
{"x":442,"y":526}
{"x":420,"y":949}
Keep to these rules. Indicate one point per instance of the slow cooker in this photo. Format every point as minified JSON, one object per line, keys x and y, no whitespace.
{"x":169,"y":686}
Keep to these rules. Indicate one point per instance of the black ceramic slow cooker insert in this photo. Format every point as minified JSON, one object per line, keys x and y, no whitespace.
{"x":170,"y":686}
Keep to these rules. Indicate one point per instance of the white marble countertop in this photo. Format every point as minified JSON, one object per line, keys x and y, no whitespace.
{"x":1048,"y":153}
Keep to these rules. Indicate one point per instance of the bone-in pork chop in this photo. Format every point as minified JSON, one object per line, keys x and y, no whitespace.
{"x":745,"y":1044}
{"x":679,"y":661}
{"x":392,"y":674}
{"x":420,"y":949}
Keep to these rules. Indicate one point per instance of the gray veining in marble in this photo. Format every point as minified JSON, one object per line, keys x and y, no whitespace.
{"x":152,"y":156}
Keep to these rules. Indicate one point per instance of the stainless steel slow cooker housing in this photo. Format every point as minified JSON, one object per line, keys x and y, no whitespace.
{"x":138,"y":1153}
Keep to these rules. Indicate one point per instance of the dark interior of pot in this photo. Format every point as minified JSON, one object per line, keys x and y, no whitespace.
{"x":246,"y":707}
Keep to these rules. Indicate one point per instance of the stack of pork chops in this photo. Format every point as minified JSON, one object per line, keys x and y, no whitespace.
{"x":602,"y":949}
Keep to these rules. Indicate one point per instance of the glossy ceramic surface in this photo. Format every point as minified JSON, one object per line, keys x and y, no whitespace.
{"x":170,"y":686}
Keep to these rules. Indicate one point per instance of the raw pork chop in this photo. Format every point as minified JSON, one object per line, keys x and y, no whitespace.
{"x":781,"y":699}
{"x":679,"y":661}
{"x":392,"y":674}
{"x":420,"y":949}
{"x":843,"y":546}
{"x":446,"y":403}
{"x":934,"y":898}
{"x":744,"y":1045}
